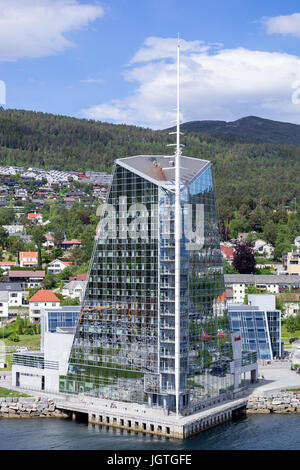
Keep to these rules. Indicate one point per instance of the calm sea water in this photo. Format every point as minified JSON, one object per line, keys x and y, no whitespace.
{"x":256,"y":432}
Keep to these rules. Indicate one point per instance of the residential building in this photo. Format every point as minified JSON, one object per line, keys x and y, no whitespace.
{"x":28,"y":258}
{"x":14,"y":290}
{"x":263,"y":248}
{"x":27,"y":279}
{"x":43,"y":299}
{"x":21,"y":194}
{"x":67,"y":244}
{"x":74,"y":289}
{"x":49,"y":243}
{"x":79,"y":277}
{"x":291,"y":303}
{"x":243,"y":236}
{"x":140,"y":337}
{"x":35,"y":217}
{"x":4,"y":303}
{"x":57,"y":266}
{"x":227,"y":252}
{"x":291,"y":262}
{"x":273,"y":283}
{"x":3,"y":201}
{"x":7,"y":265}
{"x":260,"y":325}
{"x":13,"y":229}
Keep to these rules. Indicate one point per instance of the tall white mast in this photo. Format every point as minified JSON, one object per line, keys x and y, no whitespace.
{"x":177,"y":239}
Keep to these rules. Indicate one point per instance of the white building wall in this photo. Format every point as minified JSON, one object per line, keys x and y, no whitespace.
{"x":36,"y":307}
{"x":3,"y":311}
{"x":15,"y":299}
{"x":57,"y":347}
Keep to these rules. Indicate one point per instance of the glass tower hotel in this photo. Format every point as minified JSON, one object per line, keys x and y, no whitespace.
{"x":129,"y":343}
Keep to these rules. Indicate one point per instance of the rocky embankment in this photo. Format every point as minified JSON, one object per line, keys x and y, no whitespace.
{"x":280,"y":402}
{"x":22,"y":407}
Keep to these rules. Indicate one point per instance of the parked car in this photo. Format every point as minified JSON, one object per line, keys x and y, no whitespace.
{"x":22,"y":349}
{"x":292,"y":340}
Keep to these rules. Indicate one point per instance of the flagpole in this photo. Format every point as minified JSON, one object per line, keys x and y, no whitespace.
{"x":177,"y":239}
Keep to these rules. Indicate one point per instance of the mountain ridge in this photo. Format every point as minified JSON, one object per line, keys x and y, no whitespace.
{"x":248,"y":129}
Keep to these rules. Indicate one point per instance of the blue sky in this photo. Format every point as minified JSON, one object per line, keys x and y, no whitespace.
{"x":113,"y":60}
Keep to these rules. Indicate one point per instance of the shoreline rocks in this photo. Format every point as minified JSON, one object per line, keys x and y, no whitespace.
{"x":31,"y":407}
{"x":277,"y":402}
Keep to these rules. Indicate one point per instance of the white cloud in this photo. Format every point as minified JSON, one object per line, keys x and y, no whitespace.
{"x":289,"y":24}
{"x":92,"y":80}
{"x":36,"y":28}
{"x":156,"y":48}
{"x":215,"y":84}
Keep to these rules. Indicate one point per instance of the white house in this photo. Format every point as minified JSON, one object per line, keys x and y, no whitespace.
{"x":297,"y":243}
{"x":57,"y":266}
{"x":43,"y":299}
{"x":28,"y":258}
{"x":263,"y":248}
{"x":12,"y":229}
{"x":74,"y":289}
{"x":49,"y":243}
{"x":14,"y":291}
{"x":4,"y":299}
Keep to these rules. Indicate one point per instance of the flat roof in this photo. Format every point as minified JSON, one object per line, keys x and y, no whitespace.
{"x":10,"y":286}
{"x":262,"y":279}
{"x":160,"y":169}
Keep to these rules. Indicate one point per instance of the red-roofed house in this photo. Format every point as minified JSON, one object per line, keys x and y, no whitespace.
{"x":28,"y":258}
{"x":227,"y":252}
{"x":79,"y":277}
{"x":6,"y":265}
{"x":35,"y":217}
{"x":66,"y":244}
{"x":40,"y":300}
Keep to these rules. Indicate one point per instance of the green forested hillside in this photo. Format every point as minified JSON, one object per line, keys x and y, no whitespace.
{"x":254,"y":181}
{"x":249,"y":129}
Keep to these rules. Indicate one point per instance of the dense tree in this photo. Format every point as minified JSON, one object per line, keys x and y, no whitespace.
{"x":291,"y":324}
{"x":49,"y":281}
{"x":38,"y":236}
{"x":3,"y":237}
{"x":243,"y":258}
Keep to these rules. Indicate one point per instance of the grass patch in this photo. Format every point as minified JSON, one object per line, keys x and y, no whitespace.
{"x":25,"y":340}
{"x":5,"y":392}
{"x":286,"y":334}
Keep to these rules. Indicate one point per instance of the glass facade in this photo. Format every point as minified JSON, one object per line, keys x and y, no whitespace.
{"x":124,"y":345}
{"x":62,"y":318}
{"x":260,"y":330}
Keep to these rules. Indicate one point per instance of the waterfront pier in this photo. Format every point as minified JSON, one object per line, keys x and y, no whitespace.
{"x":140,"y":419}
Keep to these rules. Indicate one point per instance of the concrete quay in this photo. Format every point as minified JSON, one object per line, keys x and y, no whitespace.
{"x":275,"y":380}
{"x":153,"y":421}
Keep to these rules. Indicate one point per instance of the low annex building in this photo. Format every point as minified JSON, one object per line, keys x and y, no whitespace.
{"x":27,"y":278}
{"x":274,"y":284}
{"x":40,"y":370}
{"x":43,"y":299}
